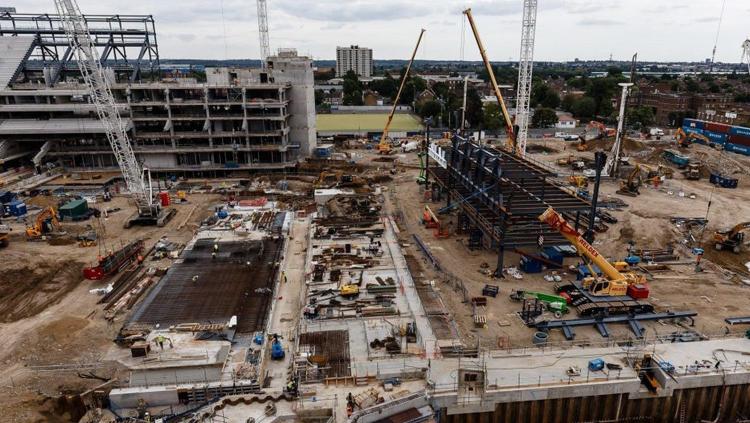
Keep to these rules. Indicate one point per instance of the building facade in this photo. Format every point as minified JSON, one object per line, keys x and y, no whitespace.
{"x":239,"y":119}
{"x":354,"y":58}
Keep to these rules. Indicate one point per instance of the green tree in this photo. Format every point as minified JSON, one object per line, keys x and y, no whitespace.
{"x":675,"y":86}
{"x":430,"y":109}
{"x":493,"y":116}
{"x":601,"y":91}
{"x":386,"y":87}
{"x":567,"y":102}
{"x":584,"y":107}
{"x":692,"y":86}
{"x":352,"y":89}
{"x":552,"y":100}
{"x":640,"y":116}
{"x":474,"y":108}
{"x":319,"y":97}
{"x":742,"y":98}
{"x":614,"y":71}
{"x":544,"y":118}
{"x":579,"y":83}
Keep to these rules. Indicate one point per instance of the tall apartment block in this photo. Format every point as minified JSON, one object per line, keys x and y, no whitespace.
{"x":238,"y":119}
{"x":354,"y":58}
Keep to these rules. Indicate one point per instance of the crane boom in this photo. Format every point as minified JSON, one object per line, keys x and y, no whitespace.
{"x":79,"y":39}
{"x":557,"y":222}
{"x":384,"y":145}
{"x":493,"y":81}
{"x":525,"y":69}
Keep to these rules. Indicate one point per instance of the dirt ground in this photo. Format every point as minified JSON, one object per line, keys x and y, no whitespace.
{"x":714,"y":293}
{"x":50,"y":325}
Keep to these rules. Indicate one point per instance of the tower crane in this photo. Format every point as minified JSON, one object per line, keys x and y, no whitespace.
{"x":511,"y":143}
{"x":746,"y":53}
{"x":79,"y":39}
{"x":384,"y":147}
{"x":265,"y":48}
{"x":525,"y":68}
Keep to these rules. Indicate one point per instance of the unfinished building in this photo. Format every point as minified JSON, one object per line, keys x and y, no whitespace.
{"x":238,"y":120}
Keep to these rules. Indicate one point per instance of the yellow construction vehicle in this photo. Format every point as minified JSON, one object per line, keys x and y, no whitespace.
{"x":46,"y":223}
{"x":631,"y":186}
{"x":349,"y":290}
{"x":4,"y":235}
{"x":731,"y":239}
{"x":684,"y":139}
{"x":511,"y":142}
{"x":385,"y":146}
{"x":613,"y":283}
{"x":578,"y":181}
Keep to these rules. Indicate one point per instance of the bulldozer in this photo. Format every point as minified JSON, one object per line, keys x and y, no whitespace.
{"x":731,"y":239}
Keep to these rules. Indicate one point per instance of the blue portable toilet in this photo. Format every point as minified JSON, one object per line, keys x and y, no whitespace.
{"x":530,"y":265}
{"x":17,"y":208}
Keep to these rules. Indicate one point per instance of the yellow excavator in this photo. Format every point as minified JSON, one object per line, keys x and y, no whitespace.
{"x":731,"y":239}
{"x":684,"y":139}
{"x":631,"y":186}
{"x":613,"y":283}
{"x":385,"y":146}
{"x":578,"y":181}
{"x":46,"y":223}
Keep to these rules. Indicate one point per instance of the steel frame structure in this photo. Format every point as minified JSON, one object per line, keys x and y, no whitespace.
{"x":127,"y":43}
{"x":525,"y":69}
{"x":502,"y":195}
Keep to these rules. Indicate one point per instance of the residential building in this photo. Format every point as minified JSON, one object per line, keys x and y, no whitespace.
{"x":240,"y":119}
{"x":354,"y":58}
{"x":565,"y":121}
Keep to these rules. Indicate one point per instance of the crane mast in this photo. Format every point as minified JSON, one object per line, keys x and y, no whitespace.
{"x":525,"y":69}
{"x":746,"y":53}
{"x":265,"y":48}
{"x":508,"y":123}
{"x":79,"y":38}
{"x":384,"y":147}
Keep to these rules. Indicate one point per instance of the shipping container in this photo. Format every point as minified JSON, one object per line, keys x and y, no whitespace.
{"x":716,"y":137}
{"x":689,"y":130}
{"x":17,"y":208}
{"x":739,"y":140}
{"x":692,"y":123}
{"x":739,"y":130}
{"x":716,"y":127}
{"x":735,"y":148}
{"x":74,"y":210}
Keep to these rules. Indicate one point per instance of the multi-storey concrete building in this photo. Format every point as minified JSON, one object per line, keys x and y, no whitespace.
{"x":239,"y":119}
{"x":354,"y":58}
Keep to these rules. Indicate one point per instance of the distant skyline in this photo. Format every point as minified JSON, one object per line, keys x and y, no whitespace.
{"x":664,"y":30}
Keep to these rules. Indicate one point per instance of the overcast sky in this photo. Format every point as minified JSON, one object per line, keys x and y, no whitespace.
{"x":659,"y":30}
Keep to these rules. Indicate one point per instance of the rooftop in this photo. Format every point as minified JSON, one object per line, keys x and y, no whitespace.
{"x":366,"y":122}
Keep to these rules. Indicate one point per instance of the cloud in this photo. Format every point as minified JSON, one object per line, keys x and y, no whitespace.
{"x":599,"y":22}
{"x":353,"y":10}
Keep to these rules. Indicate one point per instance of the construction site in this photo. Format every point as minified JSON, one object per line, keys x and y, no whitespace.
{"x":173,"y":251}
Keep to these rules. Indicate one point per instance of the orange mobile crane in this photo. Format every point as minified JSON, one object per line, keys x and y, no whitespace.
{"x":617,"y":292}
{"x":384,"y":146}
{"x":509,"y":129}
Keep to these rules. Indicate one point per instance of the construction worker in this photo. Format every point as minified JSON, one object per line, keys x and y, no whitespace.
{"x":283,"y":276}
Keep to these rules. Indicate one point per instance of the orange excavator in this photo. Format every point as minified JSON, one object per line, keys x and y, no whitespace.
{"x":684,"y":139}
{"x":45,"y":224}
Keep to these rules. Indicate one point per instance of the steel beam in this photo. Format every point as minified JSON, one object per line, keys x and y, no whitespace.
{"x":601,"y":322}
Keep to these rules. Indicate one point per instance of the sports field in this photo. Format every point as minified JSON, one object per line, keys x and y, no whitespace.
{"x":371,"y":122}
